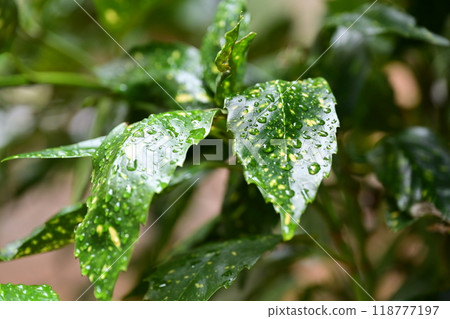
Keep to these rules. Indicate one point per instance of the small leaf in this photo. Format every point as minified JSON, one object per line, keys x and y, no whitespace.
{"x":230,"y":61}
{"x":199,"y":274}
{"x":414,"y":167}
{"x":55,"y":233}
{"x":227,"y":16}
{"x":8,"y":25}
{"x":175,"y":67}
{"x":82,"y":149}
{"x":131,"y":165}
{"x":285,"y":137}
{"x":10,"y":292}
{"x":383,"y":19}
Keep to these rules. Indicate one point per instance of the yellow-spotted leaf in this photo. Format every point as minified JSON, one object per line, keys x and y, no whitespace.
{"x":10,"y":292}
{"x":285,"y":136}
{"x":57,"y":232}
{"x":414,"y":167}
{"x":168,"y":74}
{"x":131,"y":165}
{"x":199,"y":274}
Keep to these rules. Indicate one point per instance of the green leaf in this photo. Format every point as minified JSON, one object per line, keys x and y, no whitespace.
{"x":131,"y":165}
{"x":8,"y":25}
{"x":10,"y":292}
{"x":199,"y":274}
{"x":175,"y":67}
{"x":227,"y":17}
{"x":285,"y":137}
{"x":82,"y":149}
{"x":55,"y":233}
{"x":383,"y":19}
{"x":244,"y":211}
{"x":414,"y":167}
{"x":230,"y":61}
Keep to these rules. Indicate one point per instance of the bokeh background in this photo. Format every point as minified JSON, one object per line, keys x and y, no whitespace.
{"x":382,"y":84}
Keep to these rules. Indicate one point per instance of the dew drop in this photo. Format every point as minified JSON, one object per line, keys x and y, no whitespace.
{"x":270,"y":98}
{"x":253,"y":131}
{"x":262,"y":120}
{"x":132,"y":165}
{"x":314,"y":168}
{"x":286,"y":167}
{"x":267,"y":148}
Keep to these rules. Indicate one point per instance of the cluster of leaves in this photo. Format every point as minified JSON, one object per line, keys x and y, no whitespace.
{"x":283,"y":134}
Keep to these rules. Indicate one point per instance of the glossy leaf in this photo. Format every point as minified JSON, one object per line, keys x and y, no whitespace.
{"x":227,"y":17}
{"x":55,"y":233}
{"x":9,"y":21}
{"x":414,"y":167}
{"x":285,"y":137}
{"x":383,"y":19}
{"x":175,"y":67}
{"x":199,"y":274}
{"x":230,"y":62}
{"x":10,"y":292}
{"x":82,"y":149}
{"x":131,"y":165}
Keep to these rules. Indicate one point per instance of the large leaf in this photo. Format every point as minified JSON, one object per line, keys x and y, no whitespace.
{"x":82,"y":149}
{"x":9,"y":20}
{"x":10,"y":292}
{"x":131,"y":165}
{"x":227,"y":16}
{"x":285,"y":137}
{"x":199,"y":274}
{"x":55,"y":233}
{"x":176,"y":71}
{"x":414,"y":167}
{"x":230,"y":62}
{"x":383,"y":19}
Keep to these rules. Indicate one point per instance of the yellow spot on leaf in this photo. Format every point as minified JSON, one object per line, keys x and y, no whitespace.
{"x":287,"y":219}
{"x":99,"y":229}
{"x":273,"y":182}
{"x":197,"y":285}
{"x":111,"y":16}
{"x":281,"y":187}
{"x":233,"y":253}
{"x":292,"y":157}
{"x":310,"y":122}
{"x":184,"y":98}
{"x":114,"y":236}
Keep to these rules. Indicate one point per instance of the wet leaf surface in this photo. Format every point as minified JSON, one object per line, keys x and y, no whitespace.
{"x":383,"y":19}
{"x":414,"y":168}
{"x":200,"y":273}
{"x":55,"y":233}
{"x":131,"y":165}
{"x":227,"y":16}
{"x":10,"y":292}
{"x":176,"y":67}
{"x":82,"y":149}
{"x":285,"y":137}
